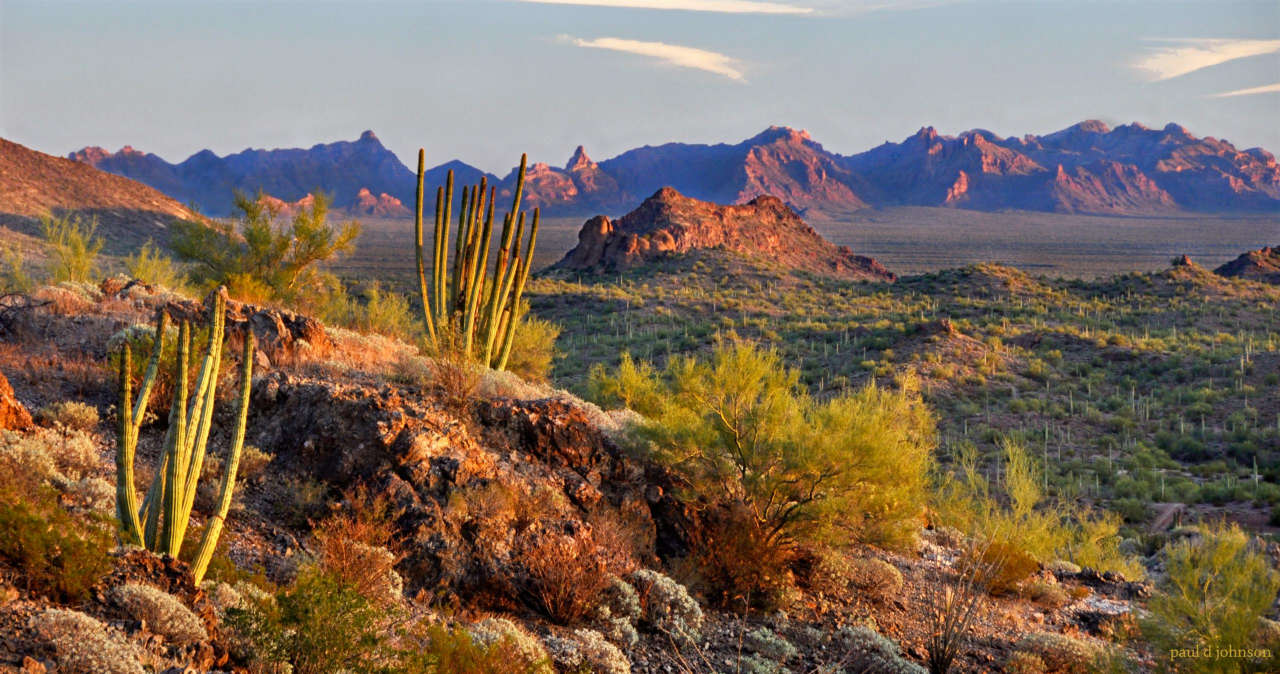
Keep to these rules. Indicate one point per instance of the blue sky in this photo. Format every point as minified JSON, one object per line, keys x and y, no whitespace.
{"x":483,"y":80}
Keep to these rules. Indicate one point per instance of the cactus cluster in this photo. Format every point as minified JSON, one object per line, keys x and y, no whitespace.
{"x":471,"y":298}
{"x":159,"y":524}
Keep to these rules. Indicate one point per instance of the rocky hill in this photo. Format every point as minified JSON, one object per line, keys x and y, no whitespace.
{"x":33,"y":184}
{"x":1256,"y":265}
{"x":669,"y":222}
{"x":1086,"y":168}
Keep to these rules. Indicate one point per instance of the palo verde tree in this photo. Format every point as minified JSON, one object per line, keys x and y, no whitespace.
{"x":160,"y":522}
{"x":472,"y":304}
{"x":259,"y":257}
{"x":740,"y":432}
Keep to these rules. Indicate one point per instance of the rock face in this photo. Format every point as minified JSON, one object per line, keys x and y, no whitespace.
{"x":281,"y":334}
{"x":427,"y":461}
{"x":669,"y":222}
{"x":1256,"y":265}
{"x":13,"y":415}
{"x":1085,"y":168}
{"x":128,"y":213}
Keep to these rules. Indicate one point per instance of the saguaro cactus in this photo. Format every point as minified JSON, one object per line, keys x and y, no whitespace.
{"x":472,"y":296}
{"x":160,"y":523}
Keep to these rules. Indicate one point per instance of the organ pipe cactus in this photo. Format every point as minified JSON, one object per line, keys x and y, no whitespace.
{"x":160,"y":523}
{"x":472,"y":296}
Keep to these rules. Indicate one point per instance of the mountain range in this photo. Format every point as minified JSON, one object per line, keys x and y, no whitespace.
{"x":1086,"y":168}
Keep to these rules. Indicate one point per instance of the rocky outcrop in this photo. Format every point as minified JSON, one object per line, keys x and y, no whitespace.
{"x":281,"y":334}
{"x":382,"y":206}
{"x":13,"y":415}
{"x":1256,"y":265}
{"x":669,"y":222}
{"x":436,"y":464}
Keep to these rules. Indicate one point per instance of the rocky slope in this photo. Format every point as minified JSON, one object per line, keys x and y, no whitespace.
{"x":1256,"y":265}
{"x":33,"y":184}
{"x":669,"y":222}
{"x":1086,"y":168}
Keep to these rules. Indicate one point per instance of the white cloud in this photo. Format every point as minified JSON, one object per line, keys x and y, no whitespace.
{"x":671,"y":54}
{"x":725,"y":6}
{"x":1265,"y":89}
{"x":1192,"y":54}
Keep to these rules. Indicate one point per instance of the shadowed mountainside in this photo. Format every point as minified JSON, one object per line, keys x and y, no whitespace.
{"x":33,"y":184}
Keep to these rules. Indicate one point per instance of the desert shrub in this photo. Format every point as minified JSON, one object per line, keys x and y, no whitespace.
{"x":1020,"y":519}
{"x":564,"y":576}
{"x":453,"y":651}
{"x":69,"y":413}
{"x":253,"y":461}
{"x":1063,"y":566}
{"x":59,"y":456}
{"x":304,"y":500}
{"x":1216,"y":588}
{"x":952,"y":604}
{"x":738,"y":566}
{"x":876,"y":577}
{"x":162,"y":612}
{"x":524,"y":646}
{"x":768,"y":644}
{"x":533,"y":348}
{"x":1011,"y":566}
{"x":260,"y":258}
{"x":453,"y":373}
{"x":1049,"y":595}
{"x":739,"y":431}
{"x":94,"y":493}
{"x":73,"y":248}
{"x":666,"y":605}
{"x":83,"y":645}
{"x":587,"y":651}
{"x":1060,"y":653}
{"x":319,"y":625}
{"x":868,"y":651}
{"x":55,"y":554}
{"x":153,"y":267}
{"x":352,"y":546}
{"x":618,"y":611}
{"x":14,"y":277}
{"x":1022,"y":662}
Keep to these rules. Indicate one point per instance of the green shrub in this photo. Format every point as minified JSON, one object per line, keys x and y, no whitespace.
{"x":161,"y":611}
{"x":152,"y":266}
{"x":1217,"y":587}
{"x":533,"y":348}
{"x":1060,"y":653}
{"x":742,"y":434}
{"x":320,"y":625}
{"x":73,"y":248}
{"x":453,"y":651}
{"x":55,"y":554}
{"x":261,"y":259}
{"x":81,"y":644}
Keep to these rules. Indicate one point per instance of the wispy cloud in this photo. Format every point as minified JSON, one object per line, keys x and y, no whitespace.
{"x":1265,"y":89}
{"x":670,"y":54}
{"x":724,"y":6}
{"x":1188,"y":55}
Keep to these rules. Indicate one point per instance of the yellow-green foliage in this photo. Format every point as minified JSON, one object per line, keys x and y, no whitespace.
{"x":533,"y":348}
{"x":1217,"y":588}
{"x":260,"y":258}
{"x":55,"y":554}
{"x":1020,"y":516}
{"x":453,"y":651}
{"x":150,"y":265}
{"x":73,"y":248}
{"x":13,"y":275}
{"x":739,"y":429}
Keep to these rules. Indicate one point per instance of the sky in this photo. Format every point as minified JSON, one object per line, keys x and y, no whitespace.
{"x":484,"y":80}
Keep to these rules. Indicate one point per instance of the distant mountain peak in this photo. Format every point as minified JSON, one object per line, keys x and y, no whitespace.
{"x":579,"y":160}
{"x":368,"y":135}
{"x":777,"y":133}
{"x":1092,"y":126}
